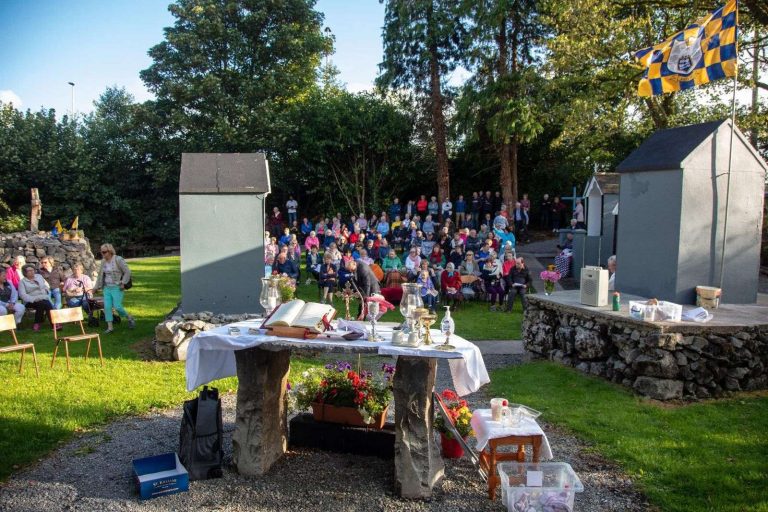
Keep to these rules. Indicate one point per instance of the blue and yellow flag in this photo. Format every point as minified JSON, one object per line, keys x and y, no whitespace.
{"x":705,"y":51}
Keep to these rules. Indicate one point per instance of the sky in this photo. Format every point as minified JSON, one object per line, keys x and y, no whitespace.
{"x":95,"y":44}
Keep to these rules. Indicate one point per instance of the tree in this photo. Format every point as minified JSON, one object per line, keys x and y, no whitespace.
{"x":351,"y":148}
{"x":228,"y":69}
{"x":423,"y":42}
{"x":502,"y":93}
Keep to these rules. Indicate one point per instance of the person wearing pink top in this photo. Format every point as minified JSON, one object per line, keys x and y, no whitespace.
{"x":311,"y":241}
{"x":14,"y":274}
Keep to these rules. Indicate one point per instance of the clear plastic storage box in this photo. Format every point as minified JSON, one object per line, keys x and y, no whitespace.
{"x":661,"y":312}
{"x":538,"y":486}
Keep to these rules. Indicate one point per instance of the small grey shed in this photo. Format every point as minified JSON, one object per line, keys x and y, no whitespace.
{"x":671,"y":215}
{"x":221,"y":216}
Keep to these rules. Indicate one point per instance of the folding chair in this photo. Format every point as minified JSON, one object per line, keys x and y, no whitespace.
{"x":8,"y":323}
{"x":70,"y":315}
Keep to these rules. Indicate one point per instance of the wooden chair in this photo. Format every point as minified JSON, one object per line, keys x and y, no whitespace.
{"x":8,"y":323}
{"x":490,"y":456}
{"x":70,"y":315}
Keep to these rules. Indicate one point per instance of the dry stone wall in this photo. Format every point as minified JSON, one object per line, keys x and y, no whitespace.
{"x":34,"y":245}
{"x":173,"y":334}
{"x":692,"y":362}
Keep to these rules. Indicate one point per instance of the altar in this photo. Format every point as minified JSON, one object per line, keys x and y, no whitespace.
{"x":261,"y":363}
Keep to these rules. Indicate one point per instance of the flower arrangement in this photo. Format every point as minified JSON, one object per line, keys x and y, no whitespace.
{"x":459,"y":412}
{"x":286,"y":286}
{"x":337,"y":384}
{"x":550,"y":277}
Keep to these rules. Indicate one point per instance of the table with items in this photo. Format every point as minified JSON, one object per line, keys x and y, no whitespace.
{"x":261,"y":363}
{"x":516,"y":432}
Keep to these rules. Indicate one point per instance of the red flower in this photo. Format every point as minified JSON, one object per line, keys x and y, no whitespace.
{"x":450,"y":395}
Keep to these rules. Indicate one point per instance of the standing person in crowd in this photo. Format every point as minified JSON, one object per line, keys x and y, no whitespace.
{"x":497,"y":202}
{"x":558,"y":208}
{"x":486,"y":207}
{"x":365,"y":281}
{"x":114,"y":274}
{"x":518,"y":279}
{"x":291,"y":206}
{"x":460,"y":207}
{"x":78,"y":288}
{"x":476,"y":207}
{"x":36,"y":294}
{"x":433,"y":207}
{"x":276,"y":221}
{"x":421,"y":206}
{"x":446,"y":209}
{"x":525,"y":203}
{"x":55,"y":278}
{"x":9,"y":298}
{"x":395,"y":209}
{"x":410,"y":208}
{"x":578,"y":214}
{"x":520,"y":219}
{"x":545,"y":212}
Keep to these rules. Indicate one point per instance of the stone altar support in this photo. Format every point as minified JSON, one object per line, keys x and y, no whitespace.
{"x":262,"y":364}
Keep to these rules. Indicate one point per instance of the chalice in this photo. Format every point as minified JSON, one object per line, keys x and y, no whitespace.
{"x":427,"y":321}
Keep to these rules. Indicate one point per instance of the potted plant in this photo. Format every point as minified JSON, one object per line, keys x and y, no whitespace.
{"x":459,"y":413}
{"x":338,"y":394}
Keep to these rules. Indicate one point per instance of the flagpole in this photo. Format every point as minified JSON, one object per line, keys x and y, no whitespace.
{"x":728,"y":182}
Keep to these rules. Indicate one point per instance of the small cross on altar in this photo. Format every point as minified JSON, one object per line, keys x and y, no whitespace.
{"x":347,"y":294}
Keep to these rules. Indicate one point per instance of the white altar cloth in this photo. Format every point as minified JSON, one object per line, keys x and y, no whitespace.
{"x":211,"y":354}
{"x":485,"y":429}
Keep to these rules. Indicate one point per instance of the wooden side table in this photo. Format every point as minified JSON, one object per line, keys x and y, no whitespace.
{"x":489,"y":456}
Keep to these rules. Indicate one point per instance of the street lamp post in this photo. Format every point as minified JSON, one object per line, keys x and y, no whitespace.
{"x":72,"y":110}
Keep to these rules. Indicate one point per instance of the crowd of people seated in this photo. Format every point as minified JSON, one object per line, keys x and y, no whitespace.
{"x":455,"y":250}
{"x":48,"y":286}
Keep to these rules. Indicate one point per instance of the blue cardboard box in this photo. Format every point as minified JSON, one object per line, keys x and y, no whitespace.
{"x":160,"y":475}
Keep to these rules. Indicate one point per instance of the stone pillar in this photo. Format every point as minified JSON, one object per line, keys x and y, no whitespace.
{"x":260,"y":436}
{"x":418,"y":464}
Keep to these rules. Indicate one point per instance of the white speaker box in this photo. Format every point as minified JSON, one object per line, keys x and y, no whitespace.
{"x":594,"y":286}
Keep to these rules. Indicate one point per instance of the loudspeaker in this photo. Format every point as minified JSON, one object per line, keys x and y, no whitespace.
{"x":594,"y":286}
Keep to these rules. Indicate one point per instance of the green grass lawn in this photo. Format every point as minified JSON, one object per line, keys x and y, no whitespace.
{"x":709,"y":456}
{"x":38,"y":414}
{"x":473,"y":320}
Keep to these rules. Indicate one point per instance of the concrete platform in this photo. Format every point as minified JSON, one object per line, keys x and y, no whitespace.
{"x":726,"y":317}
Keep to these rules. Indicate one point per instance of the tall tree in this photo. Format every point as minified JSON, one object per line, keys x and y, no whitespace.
{"x":423,"y":42}
{"x":507,"y":36}
{"x":228,"y":69}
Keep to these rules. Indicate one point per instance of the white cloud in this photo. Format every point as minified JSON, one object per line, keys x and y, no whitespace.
{"x":8,"y":96}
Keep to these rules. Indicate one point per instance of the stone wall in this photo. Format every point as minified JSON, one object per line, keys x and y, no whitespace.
{"x":34,"y":245}
{"x":173,"y":334}
{"x":693,"y":361}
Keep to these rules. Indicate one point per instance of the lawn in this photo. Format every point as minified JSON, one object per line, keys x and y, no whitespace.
{"x":709,"y":456}
{"x":38,"y":414}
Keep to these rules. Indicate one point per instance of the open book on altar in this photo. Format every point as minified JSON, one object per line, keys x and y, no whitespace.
{"x":297,"y":313}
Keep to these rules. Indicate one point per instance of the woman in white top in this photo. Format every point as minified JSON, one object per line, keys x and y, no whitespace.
{"x":114,"y":274}
{"x":35,"y":293}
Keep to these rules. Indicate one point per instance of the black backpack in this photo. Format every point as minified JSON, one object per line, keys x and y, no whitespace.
{"x":200,"y":439}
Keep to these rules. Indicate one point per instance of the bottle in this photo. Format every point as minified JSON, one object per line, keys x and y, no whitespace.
{"x":616,"y":303}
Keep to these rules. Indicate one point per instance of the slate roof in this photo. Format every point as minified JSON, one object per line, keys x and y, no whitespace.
{"x":224,"y":173}
{"x":665,"y":150}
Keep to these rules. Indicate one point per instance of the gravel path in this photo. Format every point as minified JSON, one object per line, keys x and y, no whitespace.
{"x":93,"y":473}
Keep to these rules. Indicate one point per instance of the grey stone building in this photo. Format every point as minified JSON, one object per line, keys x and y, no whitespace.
{"x":672,"y":210}
{"x":221,"y":216}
